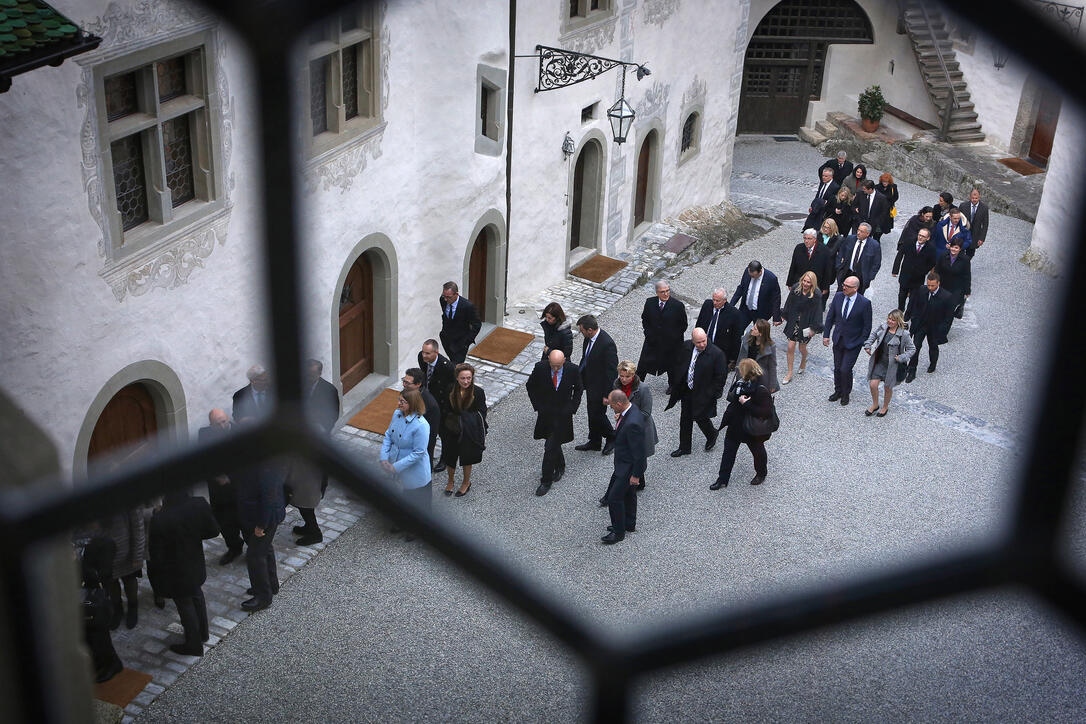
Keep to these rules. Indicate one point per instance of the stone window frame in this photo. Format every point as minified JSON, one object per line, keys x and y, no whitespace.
{"x":585,"y":15}
{"x":684,"y":155}
{"x":167,"y":226}
{"x":490,"y":136}
{"x":332,"y":43}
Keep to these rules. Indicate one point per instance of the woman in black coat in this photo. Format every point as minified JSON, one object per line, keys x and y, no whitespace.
{"x":463,"y":427}
{"x":922,"y":220}
{"x":557,"y":331}
{"x":955,"y":275}
{"x":887,"y":188}
{"x":840,"y":213}
{"x":746,"y":397}
{"x":802,"y":318}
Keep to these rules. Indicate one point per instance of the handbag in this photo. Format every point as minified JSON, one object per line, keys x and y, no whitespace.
{"x":762,"y":426}
{"x":893,"y":212}
{"x":902,"y":370}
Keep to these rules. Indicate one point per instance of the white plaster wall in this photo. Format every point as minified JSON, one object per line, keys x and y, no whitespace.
{"x":1061,"y":200}
{"x":995,"y":93}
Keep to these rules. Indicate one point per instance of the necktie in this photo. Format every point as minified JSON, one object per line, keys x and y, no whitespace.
{"x":848,"y":306}
{"x":821,"y":190}
{"x":856,"y":255}
{"x":429,"y":372}
{"x":690,"y":372}
{"x":661,"y":306}
{"x":587,"y":351}
{"x":809,"y":252}
{"x":556,"y":380}
{"x":752,"y":296}
{"x":448,"y":311}
{"x":619,"y":417}
{"x":974,"y":213}
{"x":712,"y":324}
{"x":930,"y":295}
{"x":918,"y":247}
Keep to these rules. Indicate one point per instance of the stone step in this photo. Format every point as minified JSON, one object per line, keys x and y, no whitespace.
{"x":932,"y":62}
{"x":940,"y":104}
{"x":966,"y":137}
{"x":939,"y":85}
{"x":811,"y":136}
{"x":826,"y":128}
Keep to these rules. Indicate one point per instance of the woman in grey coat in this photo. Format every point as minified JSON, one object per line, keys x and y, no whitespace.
{"x":758,"y":345}
{"x":641,"y":396}
{"x":890,"y":348}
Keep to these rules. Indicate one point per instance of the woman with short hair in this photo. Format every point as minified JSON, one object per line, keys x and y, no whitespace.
{"x":557,"y":331}
{"x":463,"y":427}
{"x":404,"y":453}
{"x":802,"y":318}
{"x":890,"y":348}
{"x":746,"y":397}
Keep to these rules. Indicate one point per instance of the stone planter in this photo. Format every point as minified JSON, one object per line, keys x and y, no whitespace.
{"x":869,"y":125}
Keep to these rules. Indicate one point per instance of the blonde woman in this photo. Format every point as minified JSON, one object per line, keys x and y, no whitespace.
{"x":890,"y":348}
{"x":829,"y":235}
{"x":404,"y":452}
{"x":802,"y":318}
{"x":840,"y":212}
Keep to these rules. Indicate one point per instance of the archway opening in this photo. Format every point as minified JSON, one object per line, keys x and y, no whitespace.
{"x":786,"y":57}
{"x":584,"y":226}
{"x":129,"y":418}
{"x":356,"y":303}
{"x":644,"y":194}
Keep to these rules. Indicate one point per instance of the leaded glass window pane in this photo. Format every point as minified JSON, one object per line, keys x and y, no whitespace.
{"x":171,"y":78}
{"x":688,"y":131}
{"x":318,"y":92}
{"x":178,"y":151}
{"x":128,"y":181}
{"x":350,"y":80}
{"x":121,"y":97}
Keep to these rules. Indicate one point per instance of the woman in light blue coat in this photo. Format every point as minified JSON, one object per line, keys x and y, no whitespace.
{"x":404,"y":454}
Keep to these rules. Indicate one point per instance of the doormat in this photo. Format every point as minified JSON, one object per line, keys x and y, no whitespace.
{"x":1021,"y":165}
{"x":598,"y":269}
{"x":122,"y":688}
{"x":502,"y":345}
{"x":785,"y":139}
{"x":375,"y":416}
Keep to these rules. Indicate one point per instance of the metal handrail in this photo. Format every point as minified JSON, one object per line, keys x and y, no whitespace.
{"x":952,"y":102}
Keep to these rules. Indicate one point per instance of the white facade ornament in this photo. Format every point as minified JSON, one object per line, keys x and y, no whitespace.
{"x":656,"y":12}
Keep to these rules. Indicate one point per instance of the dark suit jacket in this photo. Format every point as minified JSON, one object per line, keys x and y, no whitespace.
{"x":852,"y":332}
{"x":433,"y":411}
{"x":710,"y":374}
{"x":554,"y":408}
{"x":728,"y":334}
{"x":769,"y":296}
{"x":630,"y":458}
{"x":821,"y":263}
{"x":323,"y":404}
{"x":175,"y":546}
{"x":840,"y":173}
{"x":932,"y":317}
{"x":244,"y":404}
{"x":876,"y":216}
{"x":599,"y":369}
{"x":915,"y":265}
{"x":458,"y":333}
{"x":441,"y":380}
{"x":870,"y":260}
{"x":978,"y":225}
{"x":220,"y":495}
{"x":819,"y":203}
{"x":261,"y":501}
{"x":664,"y":331}
{"x":956,"y":278}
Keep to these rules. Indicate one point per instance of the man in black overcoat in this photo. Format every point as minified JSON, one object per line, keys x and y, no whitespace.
{"x":261,"y":508}
{"x":723,"y":324}
{"x":221,"y":490}
{"x":598,"y":368}
{"x":321,"y":400}
{"x":439,"y":380}
{"x":664,"y":322}
{"x":460,"y":323}
{"x":555,"y":389}
{"x":975,"y":214}
{"x":929,"y":314}
{"x":758,"y":295}
{"x":255,"y":398}
{"x":630,"y":464}
{"x":841,"y":168}
{"x":700,"y":373}
{"x":811,"y":256}
{"x":917,"y":259}
{"x":871,"y":207}
{"x":175,"y":563}
{"x":825,"y":194}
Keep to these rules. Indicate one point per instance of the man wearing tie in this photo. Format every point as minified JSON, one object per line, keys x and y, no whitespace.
{"x":841,"y":167}
{"x":555,"y":389}
{"x":953,"y":226}
{"x":439,"y":380}
{"x":460,"y":323}
{"x":809,"y":255}
{"x":758,"y":295}
{"x":929,"y":314}
{"x":976,"y":218}
{"x":860,"y":256}
{"x":848,"y":324}
{"x":917,"y":259}
{"x":722,"y":324}
{"x":664,"y":322}
{"x":699,"y":382}
{"x":598,"y":368}
{"x":871,"y":207}
{"x":827,"y":191}
{"x":254,"y":399}
{"x":630,"y":464}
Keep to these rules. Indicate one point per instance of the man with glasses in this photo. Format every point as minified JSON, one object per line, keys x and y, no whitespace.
{"x":848,"y":323}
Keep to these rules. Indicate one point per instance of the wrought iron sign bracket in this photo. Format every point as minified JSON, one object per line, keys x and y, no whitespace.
{"x":560,"y":68}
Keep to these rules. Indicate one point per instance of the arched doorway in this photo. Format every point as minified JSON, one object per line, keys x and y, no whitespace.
{"x":477,"y":290}
{"x":785,"y":58}
{"x":587,"y":193}
{"x":644,"y":193}
{"x":127,"y":419}
{"x":356,"y":323}
{"x":484,"y":267}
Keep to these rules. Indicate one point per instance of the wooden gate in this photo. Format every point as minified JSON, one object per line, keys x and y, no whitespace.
{"x":128,"y":418}
{"x":1048,"y":113}
{"x":477,"y":273}
{"x":356,"y":324}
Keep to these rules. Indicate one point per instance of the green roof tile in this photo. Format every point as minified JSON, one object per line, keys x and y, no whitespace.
{"x":32,"y":34}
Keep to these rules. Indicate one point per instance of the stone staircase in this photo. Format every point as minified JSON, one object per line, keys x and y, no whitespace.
{"x":930,"y":41}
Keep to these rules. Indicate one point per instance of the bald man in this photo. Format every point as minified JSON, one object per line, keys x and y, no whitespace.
{"x":555,"y":389}
{"x":220,"y":490}
{"x":848,"y":323}
{"x":699,"y":382}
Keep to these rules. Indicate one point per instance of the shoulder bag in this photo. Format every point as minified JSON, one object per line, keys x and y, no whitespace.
{"x":762,"y":426}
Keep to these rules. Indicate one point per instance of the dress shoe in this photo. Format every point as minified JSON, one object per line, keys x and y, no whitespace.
{"x":448,"y":491}
{"x":881,"y":413}
{"x":439,"y":468}
{"x":310,"y":540}
{"x":834,"y":397}
{"x":611,"y":538}
{"x":462,"y":493}
{"x":609,"y":447}
{"x":160,"y":602}
{"x":588,"y":446}
{"x":255,"y":604}
{"x":869,"y":412}
{"x":668,"y":391}
{"x":603,"y":502}
{"x":629,"y":528}
{"x":299,"y":530}
{"x":186,"y":651}
{"x":910,"y":375}
{"x":109,"y":672}
{"x":228,"y":557}
{"x":710,"y":443}
{"x":558,"y":474}
{"x":132,"y":617}
{"x":543,"y":489}
{"x":718,"y":485}
{"x":679,"y":453}
{"x":757,"y":480}
{"x":931,"y":368}
{"x":844,"y":400}
{"x":249,"y":590}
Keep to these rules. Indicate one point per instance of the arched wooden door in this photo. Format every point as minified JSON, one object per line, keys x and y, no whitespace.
{"x":477,"y":272}
{"x":1048,"y":114}
{"x":644,"y":164}
{"x":356,"y":324}
{"x":127,"y":419}
{"x":585,"y":201}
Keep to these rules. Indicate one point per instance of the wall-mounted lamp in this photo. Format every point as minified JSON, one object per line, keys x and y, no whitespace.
{"x":999,"y":56}
{"x":568,"y":146}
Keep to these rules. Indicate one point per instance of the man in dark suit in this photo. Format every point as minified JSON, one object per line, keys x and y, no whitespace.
{"x":917,"y":259}
{"x":598,"y":368}
{"x":809,"y":255}
{"x":723,"y":324}
{"x":664,"y":322}
{"x":555,"y":389}
{"x":306,"y":482}
{"x":439,"y":381}
{"x":975,"y":214}
{"x":953,"y":226}
{"x":758,"y":295}
{"x":415,"y":379}
{"x":848,"y":324}
{"x":221,"y":491}
{"x":859,"y":255}
{"x":824,"y":194}
{"x":254,"y":399}
{"x":261,"y":508}
{"x":871,"y":207}
{"x":630,"y":464}
{"x":320,"y":396}
{"x":460,"y":323}
{"x":929,"y":314}
{"x":700,"y":373}
{"x":955,"y":276}
{"x":840,"y":166}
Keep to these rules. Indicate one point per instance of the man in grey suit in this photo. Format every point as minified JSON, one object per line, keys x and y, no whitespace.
{"x":848,"y":323}
{"x":975,"y":214}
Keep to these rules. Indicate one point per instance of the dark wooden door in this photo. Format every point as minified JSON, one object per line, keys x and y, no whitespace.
{"x":578,"y":200}
{"x":477,"y":274}
{"x":356,"y":324}
{"x":127,"y":419}
{"x":1040,"y":148}
{"x":643,"y":158}
{"x":775,"y":93}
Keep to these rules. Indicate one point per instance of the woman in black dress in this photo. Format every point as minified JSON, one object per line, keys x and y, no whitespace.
{"x":557,"y":332}
{"x":840,"y":213}
{"x":802,"y":319}
{"x":463,"y":427}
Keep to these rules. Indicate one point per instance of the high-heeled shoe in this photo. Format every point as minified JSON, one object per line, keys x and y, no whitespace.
{"x":869,"y":412}
{"x":448,"y":491}
{"x":462,"y":493}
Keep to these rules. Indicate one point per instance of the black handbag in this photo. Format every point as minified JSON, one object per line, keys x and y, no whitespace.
{"x":762,"y":426}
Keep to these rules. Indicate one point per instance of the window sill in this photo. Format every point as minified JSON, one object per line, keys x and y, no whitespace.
{"x":572,"y":26}
{"x":688,"y":154}
{"x":328,"y":145}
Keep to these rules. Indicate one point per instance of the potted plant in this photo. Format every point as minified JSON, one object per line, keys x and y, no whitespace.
{"x":872,"y":105}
